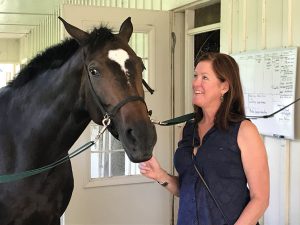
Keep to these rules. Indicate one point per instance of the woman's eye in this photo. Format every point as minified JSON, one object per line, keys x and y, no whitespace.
{"x":94,"y":72}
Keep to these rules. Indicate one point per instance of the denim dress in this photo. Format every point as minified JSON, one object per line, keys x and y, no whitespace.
{"x":218,"y":159}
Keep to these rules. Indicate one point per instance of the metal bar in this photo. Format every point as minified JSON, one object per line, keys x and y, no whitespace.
{"x":24,"y":13}
{"x":109,"y":153}
{"x":19,"y":24}
{"x":14,"y":32}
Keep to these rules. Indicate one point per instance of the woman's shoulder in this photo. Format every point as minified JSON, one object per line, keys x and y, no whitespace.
{"x":247,"y":130}
{"x":243,"y":125}
{"x":247,"y":126}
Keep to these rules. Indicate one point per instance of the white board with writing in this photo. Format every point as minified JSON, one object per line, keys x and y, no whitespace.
{"x":269,"y":83}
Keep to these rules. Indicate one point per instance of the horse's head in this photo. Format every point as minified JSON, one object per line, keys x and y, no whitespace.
{"x":112,"y":84}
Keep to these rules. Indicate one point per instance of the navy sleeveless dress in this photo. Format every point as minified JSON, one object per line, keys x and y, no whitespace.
{"x":219,"y":161}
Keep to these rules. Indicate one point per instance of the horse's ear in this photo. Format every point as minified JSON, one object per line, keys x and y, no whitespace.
{"x":79,"y":35}
{"x":126,"y":30}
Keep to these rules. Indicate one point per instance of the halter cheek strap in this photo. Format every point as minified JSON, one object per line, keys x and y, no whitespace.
{"x":116,"y":108}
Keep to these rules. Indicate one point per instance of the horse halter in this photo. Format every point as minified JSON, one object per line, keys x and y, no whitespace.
{"x":109,"y":114}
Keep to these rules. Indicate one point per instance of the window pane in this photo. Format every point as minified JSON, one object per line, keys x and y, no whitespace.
{"x":116,"y":144}
{"x":206,"y":42}
{"x":95,"y":165}
{"x":208,"y":15}
{"x":118,"y":164}
{"x":139,"y":43}
{"x":7,"y":73}
{"x":108,"y":158}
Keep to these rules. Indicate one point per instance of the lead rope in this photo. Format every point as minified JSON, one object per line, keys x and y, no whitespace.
{"x":204,"y":182}
{"x":187,"y":117}
{"x":17,"y":176}
{"x":174,"y":121}
{"x":211,"y":194}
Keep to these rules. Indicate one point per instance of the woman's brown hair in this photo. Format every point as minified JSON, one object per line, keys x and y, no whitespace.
{"x":232,"y":107}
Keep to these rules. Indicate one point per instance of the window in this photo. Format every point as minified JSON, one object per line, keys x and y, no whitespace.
{"x":7,"y":72}
{"x":207,"y":40}
{"x":207,"y":15}
{"x":139,"y":42}
{"x":107,"y":157}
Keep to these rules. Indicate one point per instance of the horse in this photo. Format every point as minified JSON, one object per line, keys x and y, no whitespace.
{"x":88,"y":76}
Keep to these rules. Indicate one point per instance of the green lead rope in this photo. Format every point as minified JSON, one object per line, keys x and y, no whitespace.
{"x":177,"y":120}
{"x":17,"y":176}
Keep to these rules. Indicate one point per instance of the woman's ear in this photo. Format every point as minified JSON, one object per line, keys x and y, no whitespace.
{"x":225,"y":87}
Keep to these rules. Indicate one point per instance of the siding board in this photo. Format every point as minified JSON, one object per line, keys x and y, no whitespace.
{"x":252,"y":21}
{"x":274,"y":23}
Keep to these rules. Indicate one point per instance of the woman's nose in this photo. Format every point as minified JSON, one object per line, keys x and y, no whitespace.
{"x":196,"y":82}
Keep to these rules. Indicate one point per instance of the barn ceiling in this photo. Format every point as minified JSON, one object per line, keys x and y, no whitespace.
{"x":17,"y":17}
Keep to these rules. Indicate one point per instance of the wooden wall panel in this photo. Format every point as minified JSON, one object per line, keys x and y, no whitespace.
{"x":236,"y":21}
{"x":276,"y":213}
{"x":262,"y":24}
{"x":294,"y":202}
{"x":226,"y":24}
{"x":9,"y":50}
{"x":274,"y":23}
{"x":295,"y":40}
{"x":253,"y":13}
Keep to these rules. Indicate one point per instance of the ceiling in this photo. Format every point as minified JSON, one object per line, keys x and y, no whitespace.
{"x":17,"y":17}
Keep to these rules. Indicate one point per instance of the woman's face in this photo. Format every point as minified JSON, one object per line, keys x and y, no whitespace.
{"x":207,"y":88}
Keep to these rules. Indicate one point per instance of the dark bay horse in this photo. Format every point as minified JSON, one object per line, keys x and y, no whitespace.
{"x":47,"y":106}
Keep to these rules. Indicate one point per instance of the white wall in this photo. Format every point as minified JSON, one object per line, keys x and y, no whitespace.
{"x":9,"y":50}
{"x":262,"y":24}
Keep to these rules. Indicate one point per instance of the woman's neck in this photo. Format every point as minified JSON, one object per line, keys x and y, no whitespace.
{"x":208,"y":116}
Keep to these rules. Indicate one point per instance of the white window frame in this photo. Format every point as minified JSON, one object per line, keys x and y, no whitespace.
{"x":190,"y":32}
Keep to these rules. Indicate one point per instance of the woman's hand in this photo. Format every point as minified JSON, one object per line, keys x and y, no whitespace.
{"x":152,"y":170}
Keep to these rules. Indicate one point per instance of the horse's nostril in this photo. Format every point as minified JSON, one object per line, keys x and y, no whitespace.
{"x":130,"y":135}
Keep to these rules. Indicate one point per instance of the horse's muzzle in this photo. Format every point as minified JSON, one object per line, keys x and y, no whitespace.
{"x":138,"y":140}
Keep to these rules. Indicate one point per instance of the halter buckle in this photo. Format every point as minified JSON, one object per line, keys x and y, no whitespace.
{"x":157,"y":122}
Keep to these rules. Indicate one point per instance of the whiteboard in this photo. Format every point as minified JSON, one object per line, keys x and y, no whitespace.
{"x":269,"y":83}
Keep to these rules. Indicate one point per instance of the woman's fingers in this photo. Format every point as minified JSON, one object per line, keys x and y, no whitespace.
{"x":144,"y":167}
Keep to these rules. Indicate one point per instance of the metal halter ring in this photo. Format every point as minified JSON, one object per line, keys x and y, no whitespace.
{"x":106,"y":120}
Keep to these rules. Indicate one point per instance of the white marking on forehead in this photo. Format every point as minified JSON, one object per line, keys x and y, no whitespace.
{"x":119,"y":56}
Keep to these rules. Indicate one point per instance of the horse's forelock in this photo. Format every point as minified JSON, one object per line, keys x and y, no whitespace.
{"x":100,"y":36}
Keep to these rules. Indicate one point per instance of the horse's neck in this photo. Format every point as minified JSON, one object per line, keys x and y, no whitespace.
{"x":50,"y":112}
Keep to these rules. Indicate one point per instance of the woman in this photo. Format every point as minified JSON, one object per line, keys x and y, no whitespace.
{"x":221,"y":146}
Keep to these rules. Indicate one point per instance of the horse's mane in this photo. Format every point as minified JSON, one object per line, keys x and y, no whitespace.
{"x":55,"y":56}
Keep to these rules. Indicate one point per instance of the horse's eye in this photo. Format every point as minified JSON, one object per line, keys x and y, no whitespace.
{"x":93,"y":71}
